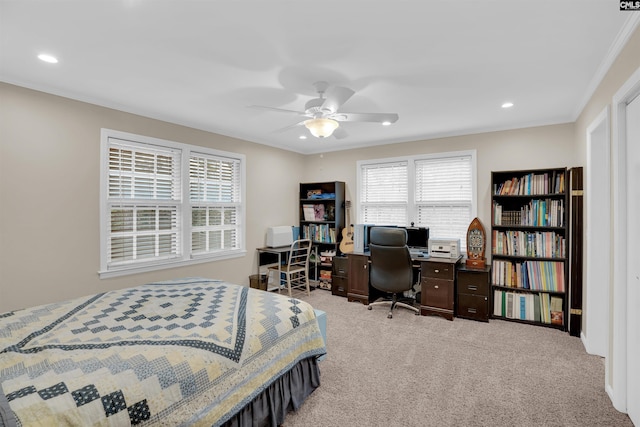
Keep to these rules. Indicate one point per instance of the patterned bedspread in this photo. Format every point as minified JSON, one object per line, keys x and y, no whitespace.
{"x":185,"y":352}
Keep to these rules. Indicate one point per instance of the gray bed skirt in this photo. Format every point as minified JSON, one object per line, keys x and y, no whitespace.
{"x":286,"y":393}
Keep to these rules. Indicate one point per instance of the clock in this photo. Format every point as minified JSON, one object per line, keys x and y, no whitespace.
{"x":476,"y":239}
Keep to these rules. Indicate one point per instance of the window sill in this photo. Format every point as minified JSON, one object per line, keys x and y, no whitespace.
{"x":136,"y":269}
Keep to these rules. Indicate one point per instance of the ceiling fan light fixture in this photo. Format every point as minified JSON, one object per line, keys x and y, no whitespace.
{"x":321,"y":127}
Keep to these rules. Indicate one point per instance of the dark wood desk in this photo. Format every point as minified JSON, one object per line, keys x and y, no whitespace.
{"x":437,"y":282}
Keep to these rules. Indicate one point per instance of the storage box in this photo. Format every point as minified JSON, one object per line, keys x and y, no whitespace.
{"x":279,"y":236}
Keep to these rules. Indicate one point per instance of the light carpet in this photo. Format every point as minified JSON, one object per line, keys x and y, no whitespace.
{"x":428,"y":371}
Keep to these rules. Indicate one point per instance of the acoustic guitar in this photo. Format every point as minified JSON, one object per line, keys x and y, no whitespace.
{"x":346,"y":245}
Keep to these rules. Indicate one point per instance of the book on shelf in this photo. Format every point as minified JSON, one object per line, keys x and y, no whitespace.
{"x":521,"y":306}
{"x":319,"y":212}
{"x":555,"y":310}
{"x":537,"y":213}
{"x":497,"y":302}
{"x":534,"y":275}
{"x":325,"y":275}
{"x":539,"y":244}
{"x":319,"y":233}
{"x":532,"y":184}
{"x":309,"y":212}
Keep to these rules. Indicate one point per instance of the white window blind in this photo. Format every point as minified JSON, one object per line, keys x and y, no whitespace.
{"x":215,"y":195}
{"x":166,"y":204}
{"x":144,"y":190}
{"x":384,"y":193}
{"x":435,"y":191}
{"x":444,"y":196}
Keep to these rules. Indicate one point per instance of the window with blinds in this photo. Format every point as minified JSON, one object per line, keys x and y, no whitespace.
{"x":444,"y":196}
{"x":384,"y":193}
{"x":435,"y":191}
{"x":144,"y":193}
{"x":214,"y":192}
{"x":148,"y":220}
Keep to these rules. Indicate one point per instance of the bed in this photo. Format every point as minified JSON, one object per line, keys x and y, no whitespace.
{"x":187,"y":352}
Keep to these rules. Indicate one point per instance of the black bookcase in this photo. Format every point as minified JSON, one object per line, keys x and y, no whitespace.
{"x":530,"y":246}
{"x":322,"y":220}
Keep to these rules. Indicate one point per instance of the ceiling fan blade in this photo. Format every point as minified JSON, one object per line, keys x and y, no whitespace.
{"x":340,"y":133}
{"x":335,"y":97}
{"x":278,"y":110}
{"x":366,"y":117}
{"x":287,"y":128}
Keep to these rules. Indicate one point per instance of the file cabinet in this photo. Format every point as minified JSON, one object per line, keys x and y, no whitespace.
{"x":339,"y":276}
{"x":472,"y":295}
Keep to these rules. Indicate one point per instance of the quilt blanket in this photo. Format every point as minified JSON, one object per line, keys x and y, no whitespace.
{"x":186,"y":352}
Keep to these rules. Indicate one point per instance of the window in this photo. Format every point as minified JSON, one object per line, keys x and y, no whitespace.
{"x":146,"y":220}
{"x":435,"y":191}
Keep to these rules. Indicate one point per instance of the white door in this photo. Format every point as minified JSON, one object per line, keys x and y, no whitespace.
{"x":633,"y":259}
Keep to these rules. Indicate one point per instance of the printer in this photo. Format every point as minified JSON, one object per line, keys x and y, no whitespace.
{"x":444,"y":248}
{"x":279,"y":236}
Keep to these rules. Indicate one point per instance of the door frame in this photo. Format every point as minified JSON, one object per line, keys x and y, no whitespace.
{"x":616,"y":366}
{"x":595,"y":335}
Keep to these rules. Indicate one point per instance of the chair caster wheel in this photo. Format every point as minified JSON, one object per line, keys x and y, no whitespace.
{"x":389,"y":316}
{"x":369,"y":307}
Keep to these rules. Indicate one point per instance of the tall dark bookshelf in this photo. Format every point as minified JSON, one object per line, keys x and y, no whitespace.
{"x":530,"y":246}
{"x":324,"y":227}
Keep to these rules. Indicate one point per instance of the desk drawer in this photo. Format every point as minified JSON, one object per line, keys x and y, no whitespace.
{"x":340,"y":266}
{"x":437,"y":293}
{"x":339,"y":286}
{"x":473,"y":307}
{"x":471,"y":283}
{"x":438,"y":270}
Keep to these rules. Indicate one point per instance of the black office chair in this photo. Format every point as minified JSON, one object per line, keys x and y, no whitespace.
{"x":391,"y":268}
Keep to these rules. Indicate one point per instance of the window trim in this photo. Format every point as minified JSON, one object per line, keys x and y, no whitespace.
{"x":184,"y":207}
{"x":412,"y":211}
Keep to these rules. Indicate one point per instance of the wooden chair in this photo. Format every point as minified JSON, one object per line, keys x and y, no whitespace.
{"x":296,"y":270}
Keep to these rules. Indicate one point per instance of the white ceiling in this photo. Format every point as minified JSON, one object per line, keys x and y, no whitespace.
{"x":444,"y":66}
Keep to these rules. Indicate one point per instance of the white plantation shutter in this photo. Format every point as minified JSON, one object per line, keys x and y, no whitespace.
{"x":435,"y":191}
{"x":444,"y":196}
{"x":215,"y":196}
{"x":384,"y":193}
{"x":143,"y":197}
{"x":165,"y":204}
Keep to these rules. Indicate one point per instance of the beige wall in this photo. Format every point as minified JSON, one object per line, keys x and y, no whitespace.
{"x":49,"y":183}
{"x":539,"y":147}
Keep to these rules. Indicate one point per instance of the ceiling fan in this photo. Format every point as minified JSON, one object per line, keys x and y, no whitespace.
{"x":322,"y":115}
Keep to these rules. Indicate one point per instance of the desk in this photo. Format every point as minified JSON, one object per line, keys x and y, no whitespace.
{"x":272,"y":256}
{"x":268,"y":257}
{"x":437,"y":282}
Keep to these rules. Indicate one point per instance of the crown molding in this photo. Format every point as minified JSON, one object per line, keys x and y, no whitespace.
{"x":630,"y":25}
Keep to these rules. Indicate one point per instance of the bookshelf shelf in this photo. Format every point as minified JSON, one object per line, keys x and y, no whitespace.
{"x":529,"y":246}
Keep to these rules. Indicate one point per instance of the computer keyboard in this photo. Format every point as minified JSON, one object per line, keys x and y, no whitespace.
{"x":418,"y":253}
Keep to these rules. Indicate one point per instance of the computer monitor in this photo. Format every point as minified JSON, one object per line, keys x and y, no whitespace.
{"x":417,"y":237}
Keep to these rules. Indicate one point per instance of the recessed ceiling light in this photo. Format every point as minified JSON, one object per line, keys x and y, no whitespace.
{"x":507,"y":105}
{"x":48,"y":58}
{"x":386,"y":123}
{"x":303,"y":137}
